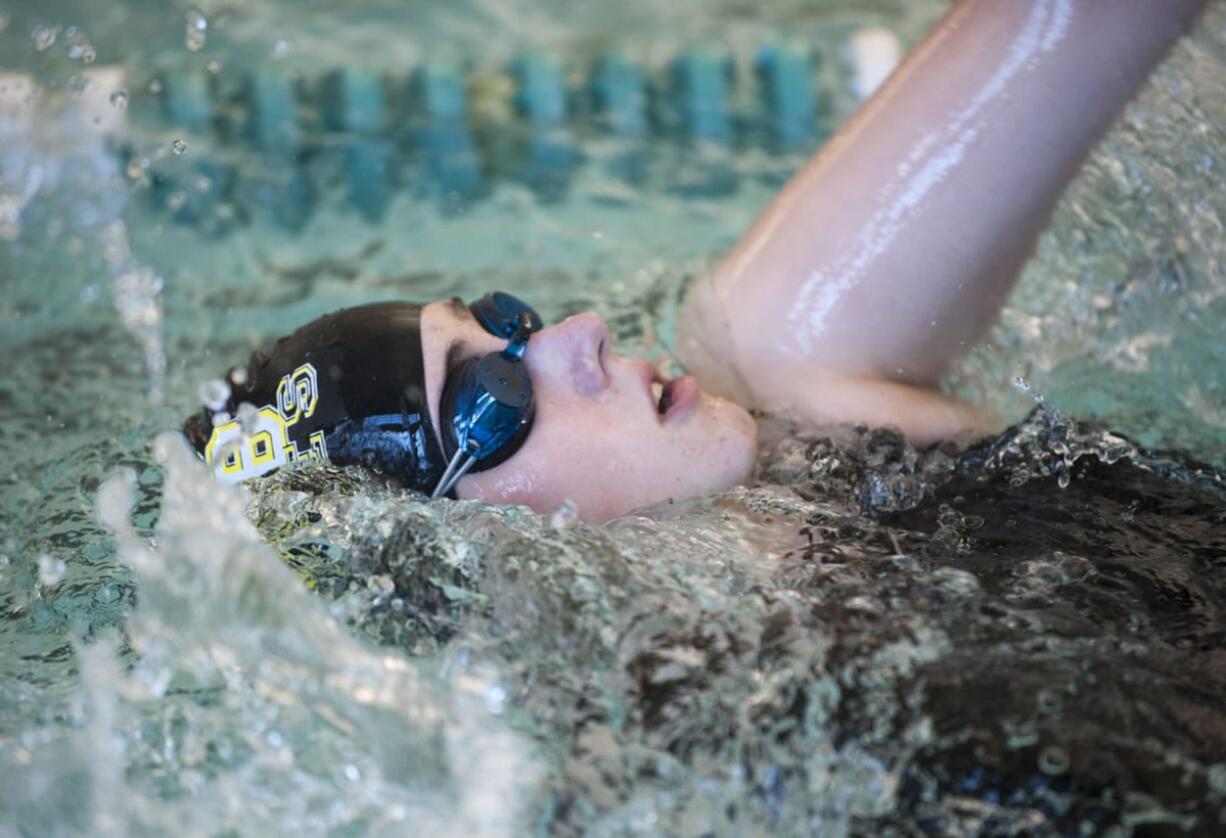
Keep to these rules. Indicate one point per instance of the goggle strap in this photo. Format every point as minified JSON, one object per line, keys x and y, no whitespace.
{"x":444,"y":483}
{"x":452,"y":475}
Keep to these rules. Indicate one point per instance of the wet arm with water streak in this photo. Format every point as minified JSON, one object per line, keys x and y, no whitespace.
{"x":892,"y":251}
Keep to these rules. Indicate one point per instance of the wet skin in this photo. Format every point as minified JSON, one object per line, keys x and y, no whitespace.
{"x":598,"y":439}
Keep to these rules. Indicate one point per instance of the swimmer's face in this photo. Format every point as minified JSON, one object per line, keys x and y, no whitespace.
{"x":598,"y":439}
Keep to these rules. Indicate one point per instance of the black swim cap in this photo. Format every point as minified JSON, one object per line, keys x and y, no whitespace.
{"x":348,"y":388}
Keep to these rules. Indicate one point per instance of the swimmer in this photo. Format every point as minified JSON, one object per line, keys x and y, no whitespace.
{"x":888,"y":255}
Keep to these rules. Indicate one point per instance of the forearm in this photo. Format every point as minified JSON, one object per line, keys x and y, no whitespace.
{"x":891,"y":252}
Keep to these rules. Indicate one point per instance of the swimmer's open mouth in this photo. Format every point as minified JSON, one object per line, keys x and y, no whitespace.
{"x":664,"y":397}
{"x":676,"y":397}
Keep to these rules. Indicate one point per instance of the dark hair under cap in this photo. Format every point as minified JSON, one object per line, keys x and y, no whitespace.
{"x":348,"y":388}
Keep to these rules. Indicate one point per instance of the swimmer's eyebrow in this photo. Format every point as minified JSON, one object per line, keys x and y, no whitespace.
{"x":459,"y":309}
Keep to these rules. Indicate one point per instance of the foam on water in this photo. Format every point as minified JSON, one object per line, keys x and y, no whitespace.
{"x":236,"y":703}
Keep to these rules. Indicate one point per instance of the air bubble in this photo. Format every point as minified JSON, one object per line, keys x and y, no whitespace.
{"x":1216,"y":775}
{"x":248,"y":416}
{"x":1021,"y":384}
{"x":178,"y":147}
{"x":154,"y":86}
{"x":79,"y":47}
{"x":280,"y":48}
{"x":44,"y":37}
{"x":4,"y":21}
{"x":119,"y":99}
{"x":495,"y":698}
{"x":136,"y":168}
{"x":175,"y":200}
{"x":51,"y":571}
{"x":238,"y":376}
{"x":565,"y":515}
{"x":1053,"y":760}
{"x":213,"y":67}
{"x":196,"y":30}
{"x":1048,"y":702}
{"x":214,"y":394}
{"x":380,"y":584}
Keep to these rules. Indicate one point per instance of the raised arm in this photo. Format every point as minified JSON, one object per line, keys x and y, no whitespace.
{"x":892,"y":251}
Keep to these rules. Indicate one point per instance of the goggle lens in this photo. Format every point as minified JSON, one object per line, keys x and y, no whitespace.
{"x":504,"y":315}
{"x":487,"y":405}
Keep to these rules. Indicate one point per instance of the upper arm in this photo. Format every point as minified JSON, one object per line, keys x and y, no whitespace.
{"x":892,"y":251}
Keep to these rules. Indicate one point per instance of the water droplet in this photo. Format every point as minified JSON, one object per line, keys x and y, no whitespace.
{"x":1048,"y":702}
{"x":248,"y":418}
{"x":495,"y":697}
{"x":196,"y":30}
{"x":1216,"y":775}
{"x":214,"y":394}
{"x":155,"y":86}
{"x":79,"y":47}
{"x":565,"y":515}
{"x":175,"y":200}
{"x":352,"y":773}
{"x":380,"y":584}
{"x":1053,"y":760}
{"x":119,"y":99}
{"x":44,"y":37}
{"x":178,"y":147}
{"x":51,"y":571}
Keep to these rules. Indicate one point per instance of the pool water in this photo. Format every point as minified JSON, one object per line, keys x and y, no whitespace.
{"x":1024,"y":638}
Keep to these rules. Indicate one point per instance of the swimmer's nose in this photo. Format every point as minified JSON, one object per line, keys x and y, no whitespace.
{"x":575,"y":351}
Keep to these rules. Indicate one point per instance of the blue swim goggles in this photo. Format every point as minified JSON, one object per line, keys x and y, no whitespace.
{"x":487,"y":407}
